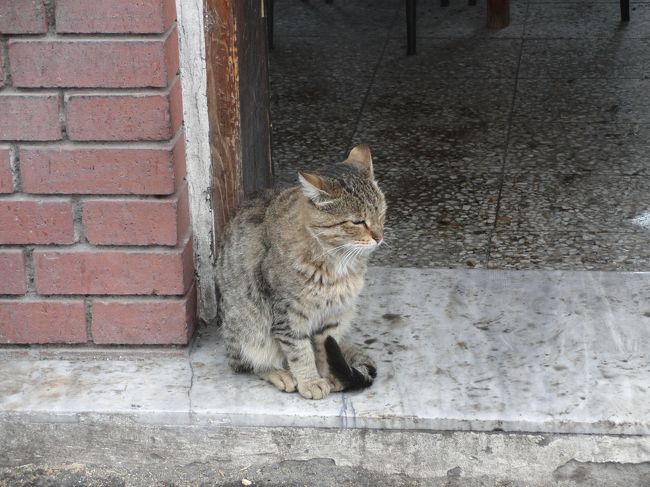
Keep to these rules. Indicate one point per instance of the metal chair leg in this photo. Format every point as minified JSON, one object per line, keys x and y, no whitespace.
{"x":625,"y":10}
{"x":444,"y":3}
{"x":410,"y":27}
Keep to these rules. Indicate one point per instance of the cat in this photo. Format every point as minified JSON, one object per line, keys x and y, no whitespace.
{"x":289,"y":270}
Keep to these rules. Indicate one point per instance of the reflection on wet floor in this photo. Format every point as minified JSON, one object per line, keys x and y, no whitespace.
{"x":525,"y":148}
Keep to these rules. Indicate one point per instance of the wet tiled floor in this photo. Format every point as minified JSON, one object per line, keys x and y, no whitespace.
{"x":524,"y":148}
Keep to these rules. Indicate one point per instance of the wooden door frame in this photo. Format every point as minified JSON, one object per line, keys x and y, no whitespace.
{"x":238,"y":102}
{"x":228,"y":154}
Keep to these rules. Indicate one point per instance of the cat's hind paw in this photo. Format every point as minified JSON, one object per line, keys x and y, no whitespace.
{"x":318,"y":388}
{"x":281,"y":378}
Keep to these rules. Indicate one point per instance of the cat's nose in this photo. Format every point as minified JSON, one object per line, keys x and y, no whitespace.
{"x":378,"y":235}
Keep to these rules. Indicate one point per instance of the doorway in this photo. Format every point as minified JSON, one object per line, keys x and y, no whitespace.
{"x":520,"y":148}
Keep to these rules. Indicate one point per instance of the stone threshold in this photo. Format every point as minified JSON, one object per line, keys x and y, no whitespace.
{"x":457,"y":350}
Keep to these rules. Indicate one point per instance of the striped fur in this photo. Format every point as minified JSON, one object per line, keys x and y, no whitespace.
{"x":290,"y":268}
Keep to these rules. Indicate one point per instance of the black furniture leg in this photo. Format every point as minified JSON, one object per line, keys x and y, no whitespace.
{"x":410,"y":27}
{"x":444,"y":3}
{"x":269,"y":21}
{"x":625,"y":10}
{"x":472,"y":2}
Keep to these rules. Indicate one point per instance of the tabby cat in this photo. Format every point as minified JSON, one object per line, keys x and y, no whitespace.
{"x":289,"y":270}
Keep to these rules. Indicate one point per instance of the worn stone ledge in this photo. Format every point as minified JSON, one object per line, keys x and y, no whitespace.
{"x":540,"y":352}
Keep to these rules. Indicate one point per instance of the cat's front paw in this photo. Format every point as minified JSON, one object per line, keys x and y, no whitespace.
{"x":335,"y":384}
{"x":317,"y":388}
{"x":282,"y":379}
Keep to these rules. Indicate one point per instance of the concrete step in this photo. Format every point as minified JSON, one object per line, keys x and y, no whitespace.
{"x":548,"y":354}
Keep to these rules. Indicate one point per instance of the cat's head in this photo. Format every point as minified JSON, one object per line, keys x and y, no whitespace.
{"x":347,"y":208}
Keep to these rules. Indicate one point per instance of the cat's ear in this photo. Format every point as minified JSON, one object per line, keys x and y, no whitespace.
{"x":361,"y":158}
{"x":315,"y":188}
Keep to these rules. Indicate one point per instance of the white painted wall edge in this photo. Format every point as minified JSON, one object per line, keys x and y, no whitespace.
{"x":197,"y":149}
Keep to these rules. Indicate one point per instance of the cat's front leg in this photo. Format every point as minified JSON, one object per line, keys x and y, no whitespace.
{"x":335,"y":327}
{"x":321,"y":355}
{"x":297,"y":348}
{"x":353,"y":368}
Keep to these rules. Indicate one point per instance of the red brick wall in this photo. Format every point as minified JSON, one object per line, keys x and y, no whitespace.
{"x":95,"y":243}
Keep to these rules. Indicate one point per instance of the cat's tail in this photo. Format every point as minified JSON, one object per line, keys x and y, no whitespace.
{"x":358,"y":374}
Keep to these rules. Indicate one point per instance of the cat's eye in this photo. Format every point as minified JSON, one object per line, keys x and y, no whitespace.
{"x":353,"y":222}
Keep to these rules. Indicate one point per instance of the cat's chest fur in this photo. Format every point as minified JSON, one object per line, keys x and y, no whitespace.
{"x":328,"y":293}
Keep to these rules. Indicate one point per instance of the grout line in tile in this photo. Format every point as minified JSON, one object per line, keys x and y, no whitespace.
{"x":507,"y":143}
{"x":372,"y":82}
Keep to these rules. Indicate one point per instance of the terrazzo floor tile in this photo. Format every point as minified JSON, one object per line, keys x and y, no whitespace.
{"x":585,"y":58}
{"x":582,"y":100}
{"x":321,"y":61}
{"x":438,"y":124}
{"x":602,"y":148}
{"x":451,"y":58}
{"x":575,"y":1}
{"x":569,"y":250}
{"x":454,"y":148}
{"x":314,"y":109}
{"x":310,"y":150}
{"x":315,"y":99}
{"x":460,"y":20}
{"x":439,"y":102}
{"x":416,"y":244}
{"x":574,"y":202}
{"x":349,"y":18}
{"x":448,"y":201}
{"x":437,"y":218}
{"x":575,"y":20}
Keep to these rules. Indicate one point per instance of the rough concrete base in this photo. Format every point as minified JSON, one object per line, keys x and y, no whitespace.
{"x":120,"y":452}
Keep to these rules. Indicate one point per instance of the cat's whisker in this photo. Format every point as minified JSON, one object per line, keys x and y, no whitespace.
{"x":347,"y":258}
{"x":316,"y":235}
{"x":342,"y":265}
{"x":327,"y":252}
{"x":353,"y":254}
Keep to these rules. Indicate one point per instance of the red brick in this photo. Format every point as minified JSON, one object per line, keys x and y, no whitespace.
{"x":92,"y":64}
{"x":29,"y":117}
{"x":42,"y":321}
{"x":12,"y":270}
{"x":22,"y":17}
{"x":172,"y":60}
{"x":6,"y":178}
{"x":145,"y":322}
{"x":176,"y":105}
{"x":183,"y":213}
{"x":2,"y":72}
{"x":180,"y":168}
{"x":114,"y":16}
{"x":158,"y":272}
{"x":117,"y":117}
{"x":169,"y":11}
{"x":97,"y":170}
{"x":36,"y":222}
{"x":136,"y":222}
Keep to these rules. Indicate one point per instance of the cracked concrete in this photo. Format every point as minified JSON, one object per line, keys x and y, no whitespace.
{"x":119,"y":450}
{"x":604,"y":473}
